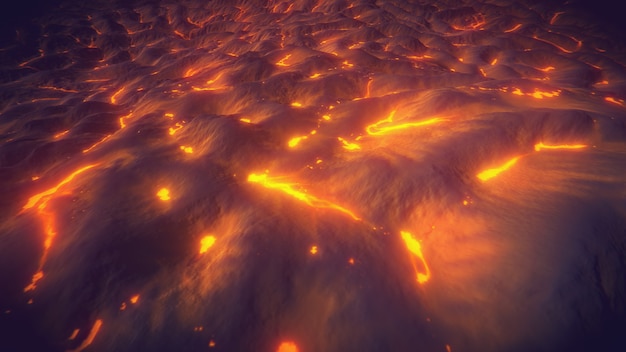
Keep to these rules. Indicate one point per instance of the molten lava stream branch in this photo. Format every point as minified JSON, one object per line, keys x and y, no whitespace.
{"x":415,"y":248}
{"x":41,"y":201}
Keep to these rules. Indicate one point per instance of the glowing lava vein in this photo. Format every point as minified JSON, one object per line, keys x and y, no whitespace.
{"x":289,"y":189}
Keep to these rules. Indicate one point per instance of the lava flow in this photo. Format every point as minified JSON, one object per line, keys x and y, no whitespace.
{"x":312,"y":175}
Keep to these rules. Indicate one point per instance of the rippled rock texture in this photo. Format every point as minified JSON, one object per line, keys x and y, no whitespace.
{"x":313,"y":175}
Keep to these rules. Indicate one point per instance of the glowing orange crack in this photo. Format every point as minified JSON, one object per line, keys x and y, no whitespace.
{"x":41,"y":201}
{"x":376,"y":129}
{"x":302,"y":196}
{"x":416,"y":249}
{"x":92,"y":335}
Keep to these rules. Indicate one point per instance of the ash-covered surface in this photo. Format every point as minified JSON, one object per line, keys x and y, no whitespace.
{"x":312,"y":175}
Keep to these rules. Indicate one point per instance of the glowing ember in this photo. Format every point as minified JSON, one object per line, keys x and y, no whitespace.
{"x":206,"y":242}
{"x":134,"y":299}
{"x":313,"y":250}
{"x":163,"y":194}
{"x":287,"y":347}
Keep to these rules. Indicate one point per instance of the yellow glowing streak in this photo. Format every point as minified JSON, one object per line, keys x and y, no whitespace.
{"x":347,"y":145}
{"x":495,"y":61}
{"x":313,"y":250}
{"x":282,"y":61}
{"x":134,"y":299}
{"x":540,"y":146}
{"x":375,"y":129}
{"x":92,"y":335}
{"x":287,"y":347}
{"x":168,"y":115}
{"x":244,"y":120}
{"x":32,"y":201}
{"x":295,"y":141}
{"x":346,"y":63}
{"x":306,"y":198}
{"x":96,"y":144}
{"x":491,"y":173}
{"x":164,"y":194}
{"x":206,"y":242}
{"x":326,"y":117}
{"x":296,"y":104}
{"x":416,"y":248}
{"x":315,"y":75}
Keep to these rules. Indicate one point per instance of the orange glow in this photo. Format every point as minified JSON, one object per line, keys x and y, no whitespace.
{"x":495,"y":61}
{"x":92,"y":335}
{"x":60,"y":134}
{"x":619,"y":102}
{"x":315,"y":75}
{"x":134,"y":299}
{"x":295,"y":104}
{"x":287,"y":347}
{"x":540,"y":146}
{"x":517,"y":26}
{"x":313,"y":250}
{"x":206,"y":242}
{"x":375,"y":129}
{"x":416,"y":249}
{"x":74,"y":334}
{"x":211,"y":343}
{"x":123,"y":306}
{"x":347,"y":145}
{"x":163,"y":194}
{"x":491,"y":173}
{"x":34,"y":280}
{"x":302,"y":196}
{"x":351,"y":261}
{"x":244,"y":120}
{"x":326,"y":117}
